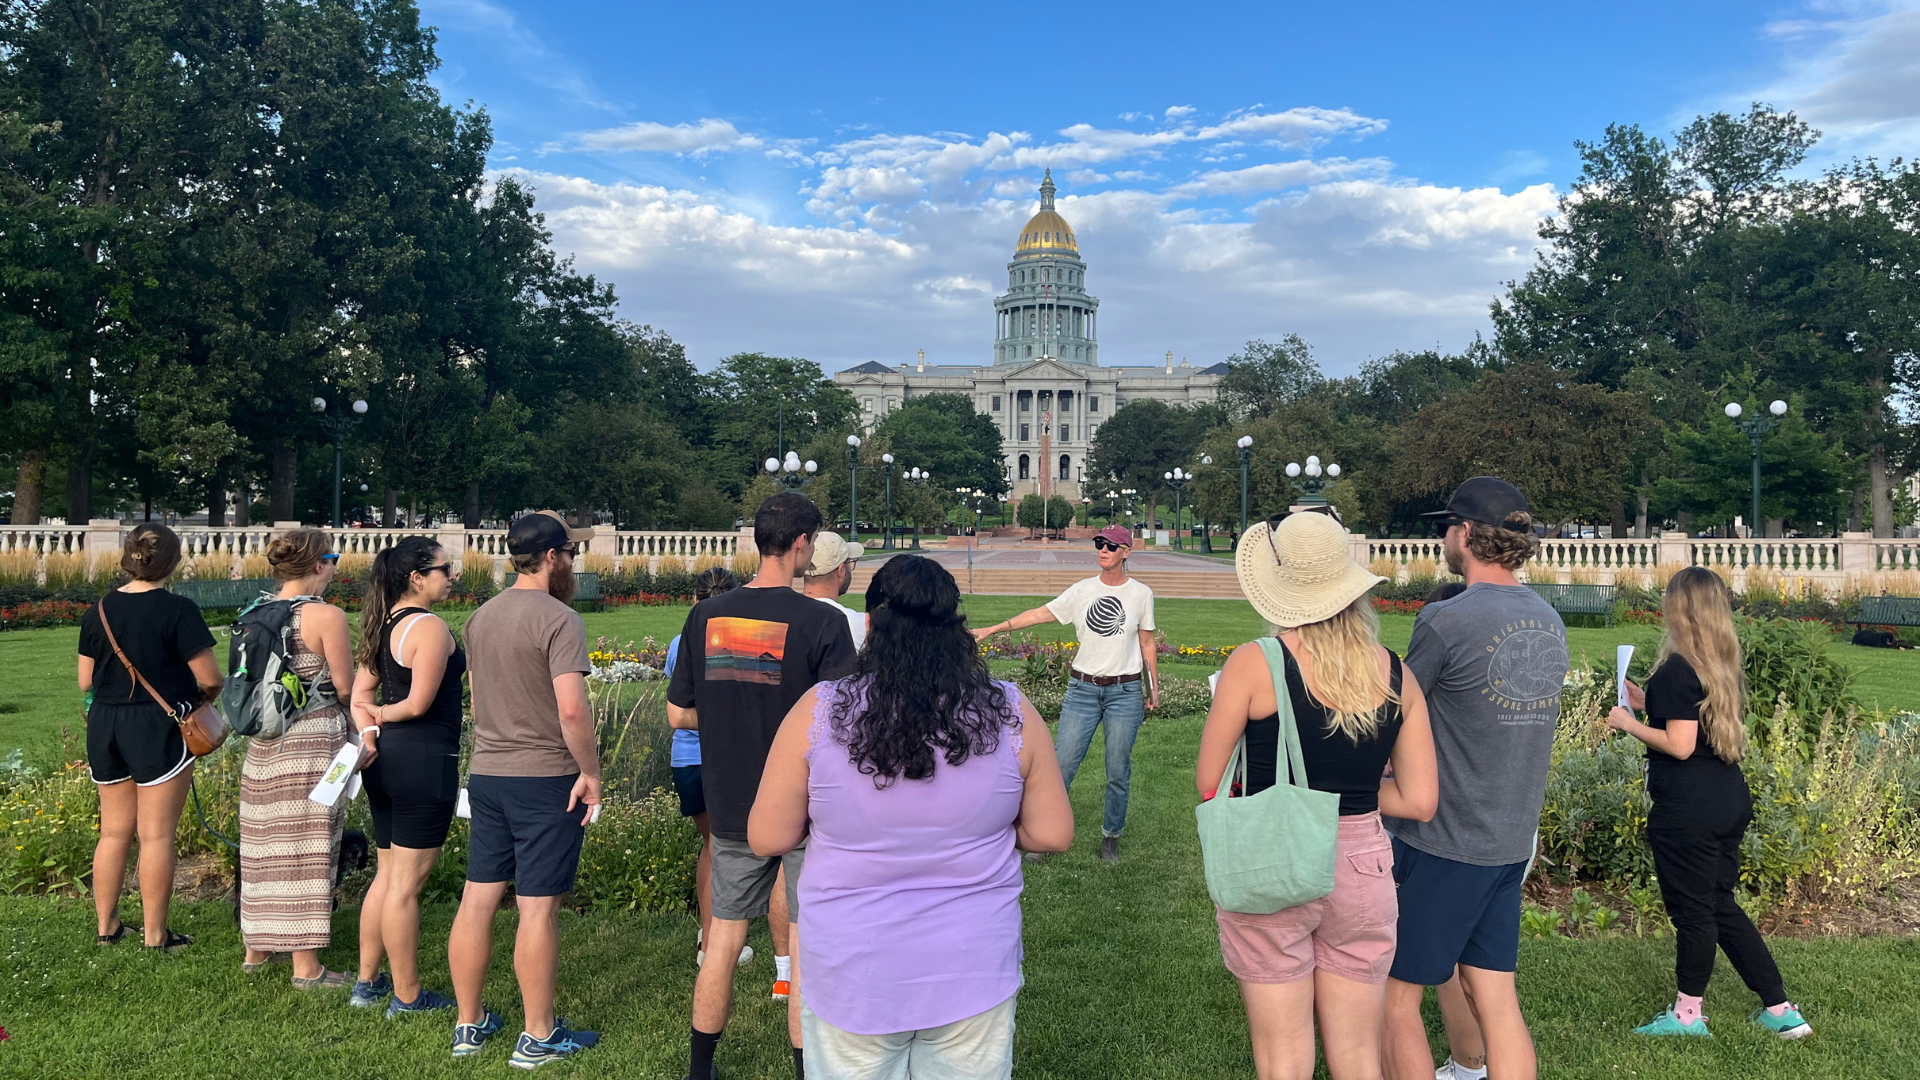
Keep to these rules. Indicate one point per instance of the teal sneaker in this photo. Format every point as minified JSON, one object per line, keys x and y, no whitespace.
{"x":1788,"y":1025}
{"x":560,"y":1044}
{"x":428,"y":1001}
{"x":1669,"y":1024}
{"x":469,"y":1038}
{"x":367,"y":995}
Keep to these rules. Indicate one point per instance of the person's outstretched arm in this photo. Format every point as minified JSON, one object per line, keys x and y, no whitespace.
{"x":1035,"y":617}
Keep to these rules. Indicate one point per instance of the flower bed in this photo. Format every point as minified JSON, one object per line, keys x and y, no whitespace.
{"x":42,"y":614}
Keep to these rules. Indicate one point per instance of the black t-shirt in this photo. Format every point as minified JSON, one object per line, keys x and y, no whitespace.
{"x":1334,"y":762}
{"x":159,"y":631}
{"x":745,"y":657}
{"x":1674,"y":693}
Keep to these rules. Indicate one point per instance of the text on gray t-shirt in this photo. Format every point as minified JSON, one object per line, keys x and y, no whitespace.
{"x":1491,"y":662}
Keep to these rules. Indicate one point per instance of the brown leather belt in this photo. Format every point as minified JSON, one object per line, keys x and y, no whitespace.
{"x":1105,"y":680}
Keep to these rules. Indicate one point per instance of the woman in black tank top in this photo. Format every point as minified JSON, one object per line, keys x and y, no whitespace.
{"x":1356,"y":709}
{"x":407,"y":703}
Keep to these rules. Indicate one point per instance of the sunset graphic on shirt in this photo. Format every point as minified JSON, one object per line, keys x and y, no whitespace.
{"x":745,"y":650}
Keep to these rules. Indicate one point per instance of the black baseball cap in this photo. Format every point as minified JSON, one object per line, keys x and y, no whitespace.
{"x":542,"y":532}
{"x":1485,"y":499}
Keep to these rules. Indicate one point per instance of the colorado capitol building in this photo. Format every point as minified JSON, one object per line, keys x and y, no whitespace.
{"x":1045,"y":389}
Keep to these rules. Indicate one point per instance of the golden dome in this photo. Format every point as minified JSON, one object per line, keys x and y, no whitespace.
{"x":1047,"y":233}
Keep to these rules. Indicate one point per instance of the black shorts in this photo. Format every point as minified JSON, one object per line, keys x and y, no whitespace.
{"x":134,"y":741}
{"x":412,"y":788}
{"x":693,"y":797}
{"x":523,"y":832}
{"x":1454,"y":913}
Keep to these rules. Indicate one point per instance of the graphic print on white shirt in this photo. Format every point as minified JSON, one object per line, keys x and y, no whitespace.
{"x":1109,"y":619}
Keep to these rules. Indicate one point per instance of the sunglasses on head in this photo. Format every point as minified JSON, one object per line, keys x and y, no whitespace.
{"x":1101,"y":543}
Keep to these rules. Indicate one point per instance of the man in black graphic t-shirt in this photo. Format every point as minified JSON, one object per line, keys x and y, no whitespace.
{"x":745,"y":657}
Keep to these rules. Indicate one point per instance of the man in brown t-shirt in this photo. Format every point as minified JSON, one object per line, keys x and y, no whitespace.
{"x":534,"y":783}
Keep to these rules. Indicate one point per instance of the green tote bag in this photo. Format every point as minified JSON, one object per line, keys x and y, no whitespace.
{"x":1275,"y":849}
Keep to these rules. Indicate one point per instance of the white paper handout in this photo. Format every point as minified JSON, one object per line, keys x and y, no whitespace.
{"x":1213,"y":684}
{"x":463,"y":808}
{"x":341,"y":770}
{"x":1622,"y":656}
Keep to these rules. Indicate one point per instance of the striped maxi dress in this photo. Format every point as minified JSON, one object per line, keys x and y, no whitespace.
{"x":289,"y":844}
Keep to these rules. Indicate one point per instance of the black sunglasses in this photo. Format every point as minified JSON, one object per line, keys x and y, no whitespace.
{"x":1101,"y":543}
{"x":444,"y":568}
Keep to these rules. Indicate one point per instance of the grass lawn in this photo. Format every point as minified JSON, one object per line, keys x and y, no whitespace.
{"x":1123,"y":980}
{"x":37,"y":694}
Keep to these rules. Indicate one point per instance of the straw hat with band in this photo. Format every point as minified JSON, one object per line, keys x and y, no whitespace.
{"x":1299,"y":572}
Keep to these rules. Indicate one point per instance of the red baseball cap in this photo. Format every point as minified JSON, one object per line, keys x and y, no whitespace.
{"x":1116,"y":534}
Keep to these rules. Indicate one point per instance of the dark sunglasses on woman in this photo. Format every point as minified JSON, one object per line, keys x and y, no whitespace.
{"x":1101,"y":543}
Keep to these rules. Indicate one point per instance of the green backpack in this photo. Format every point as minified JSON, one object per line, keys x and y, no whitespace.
{"x":1275,"y":849}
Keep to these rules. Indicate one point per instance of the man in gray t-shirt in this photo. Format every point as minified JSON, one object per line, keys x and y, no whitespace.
{"x":1492,"y":662}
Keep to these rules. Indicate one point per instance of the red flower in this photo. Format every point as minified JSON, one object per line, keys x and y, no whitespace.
{"x":3,"y":1035}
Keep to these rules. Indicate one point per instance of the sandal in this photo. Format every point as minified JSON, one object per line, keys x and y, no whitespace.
{"x":326,"y":980}
{"x":119,"y":934}
{"x":256,"y":966}
{"x":176,"y":941}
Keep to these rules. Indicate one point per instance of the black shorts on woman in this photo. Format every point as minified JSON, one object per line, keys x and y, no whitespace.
{"x":414,"y":783}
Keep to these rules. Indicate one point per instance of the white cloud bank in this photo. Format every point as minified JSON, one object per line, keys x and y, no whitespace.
{"x":905,"y":239}
{"x":1853,"y":71}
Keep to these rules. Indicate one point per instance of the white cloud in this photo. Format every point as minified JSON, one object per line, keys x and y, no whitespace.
{"x":1853,"y":71}
{"x":1175,"y":112}
{"x":645,"y":135}
{"x":1277,"y":176}
{"x":1300,"y":127}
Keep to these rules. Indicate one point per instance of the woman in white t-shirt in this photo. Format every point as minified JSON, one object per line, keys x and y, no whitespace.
{"x":1115,"y":677}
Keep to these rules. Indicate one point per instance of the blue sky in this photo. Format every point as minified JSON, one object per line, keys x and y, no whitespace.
{"x":845,"y":183}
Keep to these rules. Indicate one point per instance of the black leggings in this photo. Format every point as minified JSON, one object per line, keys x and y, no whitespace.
{"x":412,"y":788}
{"x":1696,"y":852}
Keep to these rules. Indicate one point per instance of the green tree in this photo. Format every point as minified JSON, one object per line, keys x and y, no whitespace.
{"x":757,"y":404}
{"x":1265,"y":376}
{"x":1142,"y":441}
{"x":946,"y":435}
{"x":1713,"y":478}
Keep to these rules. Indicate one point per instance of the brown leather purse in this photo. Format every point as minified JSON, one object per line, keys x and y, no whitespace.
{"x":204,"y":728}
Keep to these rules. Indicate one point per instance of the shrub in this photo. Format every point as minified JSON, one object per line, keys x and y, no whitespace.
{"x":673,"y":580}
{"x":41,"y":614}
{"x":475,"y":585}
{"x":640,"y":855}
{"x":1791,"y":662}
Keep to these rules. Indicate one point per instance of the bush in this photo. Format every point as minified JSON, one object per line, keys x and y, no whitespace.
{"x":640,"y":855}
{"x":672,"y":580}
{"x":1792,"y":662}
{"x":475,"y":585}
{"x":45,"y":613}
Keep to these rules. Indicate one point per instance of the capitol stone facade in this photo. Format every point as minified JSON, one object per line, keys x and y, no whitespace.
{"x":1046,"y":388}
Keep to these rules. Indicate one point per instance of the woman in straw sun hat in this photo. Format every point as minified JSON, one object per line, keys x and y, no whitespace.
{"x":1356,"y":709}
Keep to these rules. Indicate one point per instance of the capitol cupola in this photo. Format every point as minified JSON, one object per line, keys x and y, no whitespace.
{"x":1046,"y":311}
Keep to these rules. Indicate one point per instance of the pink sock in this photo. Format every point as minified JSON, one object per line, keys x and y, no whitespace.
{"x":1780,"y":1009}
{"x":1686,"y":1008}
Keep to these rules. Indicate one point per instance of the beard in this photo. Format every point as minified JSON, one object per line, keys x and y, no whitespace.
{"x":1456,"y":554}
{"x":560,"y":582}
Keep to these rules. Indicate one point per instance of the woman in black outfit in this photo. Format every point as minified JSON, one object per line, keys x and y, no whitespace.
{"x":409,"y":660}
{"x":137,"y":755}
{"x":1701,"y":806}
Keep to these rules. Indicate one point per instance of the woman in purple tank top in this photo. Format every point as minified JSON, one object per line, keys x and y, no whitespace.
{"x":922,"y":780}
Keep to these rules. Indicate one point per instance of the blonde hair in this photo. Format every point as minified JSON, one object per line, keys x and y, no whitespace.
{"x":1700,"y":631}
{"x":296,"y":555}
{"x":1346,"y":669}
{"x":1509,"y":545}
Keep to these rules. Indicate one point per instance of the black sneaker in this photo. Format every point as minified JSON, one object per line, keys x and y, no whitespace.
{"x":1109,"y":849}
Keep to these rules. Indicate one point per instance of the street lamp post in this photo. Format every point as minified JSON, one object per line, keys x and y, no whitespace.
{"x":853,"y":489}
{"x":1246,"y":455}
{"x":1206,"y":527}
{"x":1756,"y":430}
{"x":338,"y":425}
{"x":917,"y":473}
{"x":1126,"y":502}
{"x":1178,"y":478}
{"x":789,"y":472}
{"x":1314,"y":481}
{"x":886,"y":543}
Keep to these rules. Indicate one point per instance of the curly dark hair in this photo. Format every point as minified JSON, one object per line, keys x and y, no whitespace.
{"x":927,"y":689}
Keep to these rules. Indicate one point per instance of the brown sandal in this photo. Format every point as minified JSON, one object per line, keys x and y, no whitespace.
{"x":326,"y":980}
{"x":252,"y":967}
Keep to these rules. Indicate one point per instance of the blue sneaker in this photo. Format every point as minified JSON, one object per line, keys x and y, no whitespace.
{"x":367,"y":995}
{"x":1669,"y":1024}
{"x":469,"y":1038}
{"x":560,"y":1044}
{"x":427,"y":1002}
{"x":1788,"y":1025}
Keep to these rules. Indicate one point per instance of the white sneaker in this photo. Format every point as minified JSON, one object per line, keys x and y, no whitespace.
{"x":746,"y":957}
{"x":1453,"y":1070}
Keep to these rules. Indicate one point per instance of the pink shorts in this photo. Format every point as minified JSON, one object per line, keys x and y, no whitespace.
{"x":1349,"y":931}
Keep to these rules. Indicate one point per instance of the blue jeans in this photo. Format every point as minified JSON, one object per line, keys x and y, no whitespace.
{"x":1122,"y":707}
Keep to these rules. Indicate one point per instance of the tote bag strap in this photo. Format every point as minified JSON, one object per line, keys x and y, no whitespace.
{"x":1276,"y":655}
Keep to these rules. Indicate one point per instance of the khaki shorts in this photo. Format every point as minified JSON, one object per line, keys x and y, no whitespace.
{"x":743,"y":881}
{"x":979,"y":1047}
{"x":1350,"y":931}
